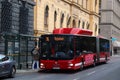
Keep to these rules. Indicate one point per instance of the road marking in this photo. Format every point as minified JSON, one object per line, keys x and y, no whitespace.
{"x":91,"y":73}
{"x":76,"y":79}
{"x":103,"y":68}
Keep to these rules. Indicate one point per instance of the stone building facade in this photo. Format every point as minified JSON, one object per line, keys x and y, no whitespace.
{"x":16,"y":29}
{"x":51,"y":14}
{"x":110,"y":22}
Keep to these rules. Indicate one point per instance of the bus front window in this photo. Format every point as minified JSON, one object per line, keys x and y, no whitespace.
{"x":57,"y":49}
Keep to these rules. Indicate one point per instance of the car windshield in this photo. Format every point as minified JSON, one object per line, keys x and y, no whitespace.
{"x":57,"y":47}
{"x":1,"y":56}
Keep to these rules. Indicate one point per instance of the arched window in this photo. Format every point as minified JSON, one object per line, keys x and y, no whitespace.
{"x":46,"y":15}
{"x":100,"y":4}
{"x":55,"y":19}
{"x":23,"y":18}
{"x":82,"y":3}
{"x":62,"y":20}
{"x":83,"y":24}
{"x":79,"y":24}
{"x":88,"y":25}
{"x":68,"y":22}
{"x":78,"y":1}
{"x":86,"y":4}
{"x":6,"y":16}
{"x":95,"y":4}
{"x":95,"y":27}
{"x":74,"y":24}
{"x":99,"y":30}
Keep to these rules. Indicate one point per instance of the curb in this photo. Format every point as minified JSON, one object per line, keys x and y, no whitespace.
{"x":26,"y":71}
{"x":115,"y":56}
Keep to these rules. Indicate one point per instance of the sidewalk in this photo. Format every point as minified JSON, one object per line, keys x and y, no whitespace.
{"x":26,"y":71}
{"x":115,"y":56}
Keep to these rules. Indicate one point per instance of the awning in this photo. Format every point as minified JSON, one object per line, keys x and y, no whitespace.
{"x":116,"y":44}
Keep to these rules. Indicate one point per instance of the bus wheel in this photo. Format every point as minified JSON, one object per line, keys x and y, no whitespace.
{"x":106,"y":59}
{"x":82,"y":66}
{"x":94,"y":62}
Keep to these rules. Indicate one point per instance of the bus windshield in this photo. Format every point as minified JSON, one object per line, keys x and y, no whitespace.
{"x":55,"y":47}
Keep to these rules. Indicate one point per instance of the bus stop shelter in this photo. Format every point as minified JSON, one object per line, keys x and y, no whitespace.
{"x":18,"y":46}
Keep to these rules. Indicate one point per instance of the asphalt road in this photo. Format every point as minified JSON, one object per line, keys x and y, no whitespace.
{"x":109,"y":71}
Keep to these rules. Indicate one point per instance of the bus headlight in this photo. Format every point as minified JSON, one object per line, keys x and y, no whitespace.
{"x":42,"y":65}
{"x":70,"y":64}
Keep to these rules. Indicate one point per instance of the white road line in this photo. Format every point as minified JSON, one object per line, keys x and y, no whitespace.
{"x":76,"y":79}
{"x":91,"y":73}
{"x":103,"y":68}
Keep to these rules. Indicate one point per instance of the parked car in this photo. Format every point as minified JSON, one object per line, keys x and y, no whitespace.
{"x":7,"y":66}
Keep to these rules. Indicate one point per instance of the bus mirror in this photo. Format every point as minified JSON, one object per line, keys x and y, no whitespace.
{"x":78,"y":53}
{"x":84,"y":51}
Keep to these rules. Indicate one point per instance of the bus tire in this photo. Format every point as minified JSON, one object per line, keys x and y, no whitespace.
{"x":82,"y":66}
{"x":106,"y":59}
{"x":94,"y":62}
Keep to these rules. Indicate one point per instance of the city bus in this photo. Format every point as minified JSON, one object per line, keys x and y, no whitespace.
{"x":72,"y":49}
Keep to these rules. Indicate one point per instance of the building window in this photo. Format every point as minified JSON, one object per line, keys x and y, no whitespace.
{"x":83,"y":24}
{"x":99,"y":31}
{"x":100,"y":4}
{"x":86,"y":4}
{"x":62,"y":20}
{"x":68,"y":22}
{"x":95,"y":4}
{"x":77,"y":1}
{"x":6,"y":16}
{"x":74,"y":24}
{"x":96,"y":29}
{"x":99,"y":17}
{"x":88,"y":25}
{"x":23,"y":18}
{"x":79,"y":24}
{"x":46,"y":15}
{"x":82,"y":3}
{"x":55,"y":19}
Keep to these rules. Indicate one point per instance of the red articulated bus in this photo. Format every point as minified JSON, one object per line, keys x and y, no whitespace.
{"x":71,"y":49}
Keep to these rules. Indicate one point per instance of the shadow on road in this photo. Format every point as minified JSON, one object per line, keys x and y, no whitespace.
{"x":59,"y":71}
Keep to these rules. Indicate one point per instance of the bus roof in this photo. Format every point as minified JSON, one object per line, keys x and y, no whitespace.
{"x":66,"y":35}
{"x":72,"y":31}
{"x":75,"y":35}
{"x":102,"y":37}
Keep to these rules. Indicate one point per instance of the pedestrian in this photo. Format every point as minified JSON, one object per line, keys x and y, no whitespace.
{"x":35,"y":54}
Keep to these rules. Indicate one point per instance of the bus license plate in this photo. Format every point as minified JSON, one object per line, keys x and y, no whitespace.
{"x":56,"y":67}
